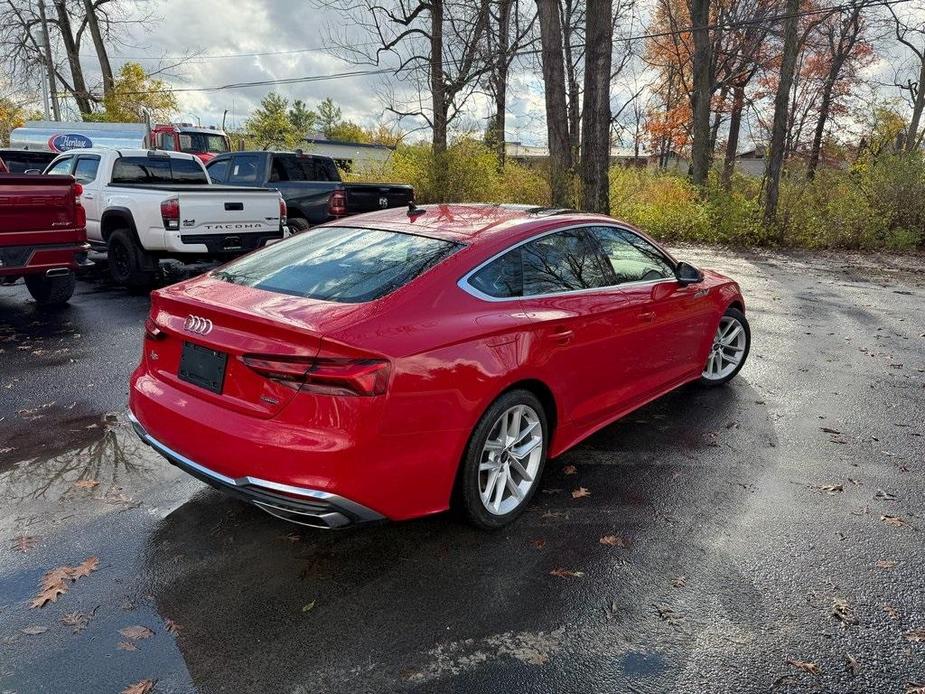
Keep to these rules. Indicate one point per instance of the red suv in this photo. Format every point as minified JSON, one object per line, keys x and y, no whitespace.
{"x":383,"y":365}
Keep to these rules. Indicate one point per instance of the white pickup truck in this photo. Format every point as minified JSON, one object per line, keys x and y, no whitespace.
{"x":145,"y":205}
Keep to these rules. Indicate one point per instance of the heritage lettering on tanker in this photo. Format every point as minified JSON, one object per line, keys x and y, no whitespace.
{"x":65,"y":141}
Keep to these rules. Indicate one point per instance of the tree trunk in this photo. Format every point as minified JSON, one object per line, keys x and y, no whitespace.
{"x":100,"y":46}
{"x":438,"y":79}
{"x":81,"y":95}
{"x":912,"y":137}
{"x":781,"y":104}
{"x":595,"y":127}
{"x":571,"y":78}
{"x":702,"y":89}
{"x":560,"y":153}
{"x":732,"y":142}
{"x":825,"y":104}
{"x":718,"y":118}
{"x":49,"y":64}
{"x":503,"y":65}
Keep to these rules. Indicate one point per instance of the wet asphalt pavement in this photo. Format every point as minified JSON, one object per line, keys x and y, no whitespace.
{"x":778,"y":519}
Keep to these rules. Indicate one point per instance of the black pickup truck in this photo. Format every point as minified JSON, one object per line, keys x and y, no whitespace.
{"x":310,"y":184}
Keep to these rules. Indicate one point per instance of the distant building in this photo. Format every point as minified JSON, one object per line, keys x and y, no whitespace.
{"x":751,"y":162}
{"x":539,"y":154}
{"x":349,"y":156}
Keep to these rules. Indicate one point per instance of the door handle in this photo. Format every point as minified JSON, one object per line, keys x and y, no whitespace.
{"x":647,"y":316}
{"x":562,"y":336}
{"x":88,"y":196}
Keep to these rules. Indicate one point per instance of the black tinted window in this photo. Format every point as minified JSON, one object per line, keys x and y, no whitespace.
{"x":219,"y":171}
{"x":304,"y":168}
{"x":160,"y":170}
{"x":339,"y":264}
{"x":244,"y":169}
{"x":632,"y":258}
{"x":560,"y":262}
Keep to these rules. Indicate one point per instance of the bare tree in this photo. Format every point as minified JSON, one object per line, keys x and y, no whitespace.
{"x":702,"y":64}
{"x":595,"y":124}
{"x":912,"y":35}
{"x":437,"y":46}
{"x":557,"y":122}
{"x":781,"y":104}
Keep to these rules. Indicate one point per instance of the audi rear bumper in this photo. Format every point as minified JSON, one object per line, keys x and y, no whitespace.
{"x":300,"y":505}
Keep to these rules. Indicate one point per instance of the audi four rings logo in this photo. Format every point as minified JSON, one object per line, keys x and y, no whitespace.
{"x":195,"y":324}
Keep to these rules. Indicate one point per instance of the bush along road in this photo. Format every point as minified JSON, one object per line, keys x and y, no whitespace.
{"x":765,"y":536}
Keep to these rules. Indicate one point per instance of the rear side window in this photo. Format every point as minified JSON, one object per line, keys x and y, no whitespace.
{"x":304,"y":168}
{"x":244,"y":169}
{"x":346,"y":265}
{"x":219,"y":171}
{"x":158,"y":170}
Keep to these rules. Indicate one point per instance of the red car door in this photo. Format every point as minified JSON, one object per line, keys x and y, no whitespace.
{"x":668,"y":320}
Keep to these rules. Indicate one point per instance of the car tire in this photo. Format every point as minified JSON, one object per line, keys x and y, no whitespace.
{"x":732,"y":340}
{"x":51,"y":291}
{"x":297,"y":225}
{"x":129,"y":265}
{"x":474,"y":481}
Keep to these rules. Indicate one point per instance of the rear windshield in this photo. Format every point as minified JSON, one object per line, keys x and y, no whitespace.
{"x":159,"y":169}
{"x":340,"y":264}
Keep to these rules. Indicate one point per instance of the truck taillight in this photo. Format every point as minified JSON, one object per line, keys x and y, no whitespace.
{"x":283,"y":211}
{"x":170,"y":213}
{"x":80,"y":214}
{"x":338,"y":203}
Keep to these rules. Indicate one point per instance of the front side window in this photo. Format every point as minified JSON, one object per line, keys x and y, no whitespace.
{"x":167,"y":142}
{"x":632,"y":258}
{"x":62,"y":166}
{"x":85,"y":171}
{"x":346,"y":265}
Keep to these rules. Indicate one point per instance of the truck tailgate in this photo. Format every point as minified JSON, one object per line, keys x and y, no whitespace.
{"x":225,"y":210}
{"x":368,"y":197}
{"x":35,"y":204}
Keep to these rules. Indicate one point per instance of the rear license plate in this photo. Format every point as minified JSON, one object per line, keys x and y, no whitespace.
{"x":203,"y":367}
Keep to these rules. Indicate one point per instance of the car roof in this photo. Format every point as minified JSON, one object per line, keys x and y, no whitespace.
{"x":128,"y":152}
{"x":466,"y":222}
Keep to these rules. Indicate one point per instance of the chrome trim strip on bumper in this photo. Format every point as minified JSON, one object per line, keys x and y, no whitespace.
{"x":314,"y":508}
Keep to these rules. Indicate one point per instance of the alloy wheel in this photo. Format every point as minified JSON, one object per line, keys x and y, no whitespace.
{"x":727,"y":351}
{"x":510,"y":459}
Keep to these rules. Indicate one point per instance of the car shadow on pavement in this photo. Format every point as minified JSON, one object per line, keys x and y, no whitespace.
{"x":417,"y":605}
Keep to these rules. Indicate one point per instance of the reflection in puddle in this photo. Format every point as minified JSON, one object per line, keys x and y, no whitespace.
{"x":101,"y":459}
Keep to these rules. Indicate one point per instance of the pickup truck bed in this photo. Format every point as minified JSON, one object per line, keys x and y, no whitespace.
{"x":309,"y":183}
{"x":42,"y":234}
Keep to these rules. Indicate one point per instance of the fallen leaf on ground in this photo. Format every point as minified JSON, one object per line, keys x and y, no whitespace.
{"x":308,"y":607}
{"x":891,"y":611}
{"x":886,"y":496}
{"x":171,"y":626}
{"x":292,"y":537}
{"x":86,"y":484}
{"x":539,"y":543}
{"x":142,"y":687}
{"x":613,"y":541}
{"x":569,"y":470}
{"x":565,"y":573}
{"x":842,"y":611}
{"x":136,"y":632}
{"x":852,"y":665}
{"x":805,"y":666}
{"x":829,"y":430}
{"x":830,"y":488}
{"x":915,"y":688}
{"x":55,"y":582}
{"x":580,"y":492}
{"x":34,"y":630}
{"x":126,"y":646}
{"x":77,"y":620}
{"x":24,"y":543}
{"x":680,"y":582}
{"x":885,"y":564}
{"x":916,"y":635}
{"x":895,"y":521}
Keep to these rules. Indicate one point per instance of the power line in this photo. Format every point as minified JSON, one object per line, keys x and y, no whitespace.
{"x":221,"y":56}
{"x":639,"y":37}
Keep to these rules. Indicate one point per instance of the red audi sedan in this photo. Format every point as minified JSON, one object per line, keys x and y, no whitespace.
{"x":388,"y":365}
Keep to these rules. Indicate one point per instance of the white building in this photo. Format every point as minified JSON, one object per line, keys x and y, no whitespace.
{"x":349,"y":156}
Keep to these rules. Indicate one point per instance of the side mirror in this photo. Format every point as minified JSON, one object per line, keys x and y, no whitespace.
{"x":33,"y":172}
{"x":688,"y":274}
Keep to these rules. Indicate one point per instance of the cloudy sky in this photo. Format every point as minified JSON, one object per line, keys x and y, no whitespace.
{"x":291,"y":35}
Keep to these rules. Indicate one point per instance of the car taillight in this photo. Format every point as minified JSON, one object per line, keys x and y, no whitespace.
{"x":170,"y":213}
{"x":283,"y":211}
{"x":80,"y":214}
{"x":324,"y":375}
{"x":152,"y":332}
{"x":338,"y":203}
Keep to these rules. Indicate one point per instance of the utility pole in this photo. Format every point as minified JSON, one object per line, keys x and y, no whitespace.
{"x":45,"y":97}
{"x":49,"y":65}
